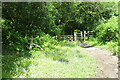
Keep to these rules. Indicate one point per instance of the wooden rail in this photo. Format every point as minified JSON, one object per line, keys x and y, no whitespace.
{"x":82,"y":36}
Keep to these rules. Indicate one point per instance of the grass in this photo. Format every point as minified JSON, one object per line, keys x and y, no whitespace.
{"x":68,"y":61}
{"x":111,"y":46}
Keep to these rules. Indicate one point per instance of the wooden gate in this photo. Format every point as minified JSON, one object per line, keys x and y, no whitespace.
{"x":81,"y":36}
{"x":65,"y":37}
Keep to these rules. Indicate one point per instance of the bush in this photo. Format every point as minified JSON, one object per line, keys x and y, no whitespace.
{"x":14,"y":66}
{"x":108,"y":31}
{"x":45,"y":41}
{"x":106,"y":35}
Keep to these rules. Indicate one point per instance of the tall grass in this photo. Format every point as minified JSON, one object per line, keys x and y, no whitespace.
{"x":63,"y":61}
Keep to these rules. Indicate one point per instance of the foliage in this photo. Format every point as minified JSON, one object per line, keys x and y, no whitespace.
{"x":76,"y":31}
{"x":29,"y":19}
{"x":43,"y":21}
{"x":108,"y":31}
{"x":22,"y":21}
{"x":45,"y":41}
{"x":107,"y":35}
{"x":86,"y":15}
{"x":28,"y":24}
{"x":14,"y":66}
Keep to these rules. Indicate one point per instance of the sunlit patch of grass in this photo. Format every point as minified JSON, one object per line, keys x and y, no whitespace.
{"x":79,"y":65}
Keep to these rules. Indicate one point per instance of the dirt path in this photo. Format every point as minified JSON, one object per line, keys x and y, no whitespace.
{"x":108,"y":64}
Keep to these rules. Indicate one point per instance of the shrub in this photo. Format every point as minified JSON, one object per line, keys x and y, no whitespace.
{"x":108,"y":31}
{"x":45,"y":41}
{"x":106,"y":35}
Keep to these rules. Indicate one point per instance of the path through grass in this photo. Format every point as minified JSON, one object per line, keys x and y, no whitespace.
{"x":75,"y":63}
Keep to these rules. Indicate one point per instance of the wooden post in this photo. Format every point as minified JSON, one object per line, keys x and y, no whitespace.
{"x":81,"y":34}
{"x":84,"y":35}
{"x":88,"y":34}
{"x":72,"y":37}
{"x":75,"y":37}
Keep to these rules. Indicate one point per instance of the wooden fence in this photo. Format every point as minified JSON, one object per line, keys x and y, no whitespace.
{"x":65,"y":37}
{"x":82,"y":36}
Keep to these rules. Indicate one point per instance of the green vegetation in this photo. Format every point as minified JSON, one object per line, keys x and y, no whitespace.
{"x":60,"y":62}
{"x":107,"y":35}
{"x":74,"y":63}
{"x":29,"y":43}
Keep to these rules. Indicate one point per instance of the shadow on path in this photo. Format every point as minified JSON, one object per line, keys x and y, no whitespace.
{"x":84,"y":45}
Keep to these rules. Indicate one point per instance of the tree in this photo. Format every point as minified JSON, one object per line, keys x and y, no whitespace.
{"x":23,"y":21}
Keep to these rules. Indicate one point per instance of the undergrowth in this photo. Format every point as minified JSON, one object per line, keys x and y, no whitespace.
{"x":65,"y":60}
